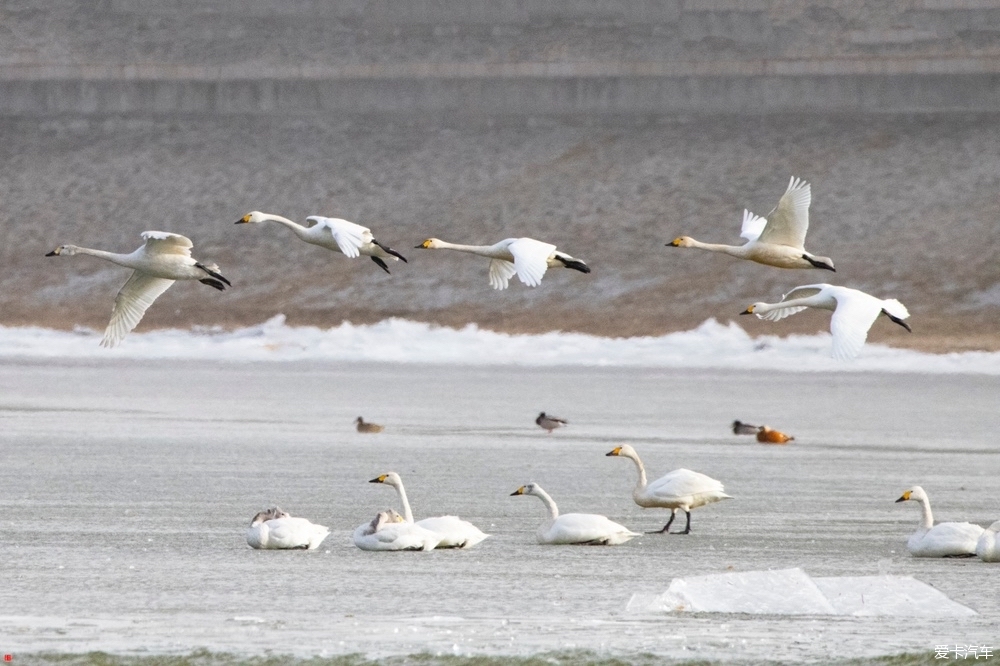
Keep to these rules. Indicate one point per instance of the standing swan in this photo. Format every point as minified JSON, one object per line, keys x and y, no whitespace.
{"x":163,"y":259}
{"x":388,"y":531}
{"x":526,"y":257}
{"x":987,"y":547}
{"x":575,"y":528}
{"x":452,"y":530}
{"x":276,"y":530}
{"x":854,"y":312}
{"x":943,"y":539}
{"x":679,"y":489}
{"x":777,"y":240}
{"x":333,"y":234}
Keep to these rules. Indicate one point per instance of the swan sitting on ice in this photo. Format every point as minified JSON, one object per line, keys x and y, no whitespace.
{"x":333,"y":234}
{"x":575,"y":528}
{"x":777,"y":240}
{"x":389,"y":531}
{"x":526,"y":257}
{"x":854,"y":312}
{"x":162,"y":260}
{"x":452,"y":530}
{"x":274,"y":529}
{"x":987,"y":548}
{"x":943,"y":539}
{"x":679,"y":489}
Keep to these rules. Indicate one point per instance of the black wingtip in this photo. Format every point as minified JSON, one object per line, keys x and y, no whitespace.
{"x":381,"y":264}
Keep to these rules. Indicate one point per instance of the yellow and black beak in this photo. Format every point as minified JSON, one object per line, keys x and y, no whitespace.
{"x":904,"y":497}
{"x":426,"y":244}
{"x":749,"y":310}
{"x":674,"y":243}
{"x":519,"y":491}
{"x":379,"y":479}
{"x":54,"y":253}
{"x":617,"y":451}
{"x":244,"y":219}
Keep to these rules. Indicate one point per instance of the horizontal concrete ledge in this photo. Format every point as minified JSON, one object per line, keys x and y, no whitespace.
{"x":508,"y":96}
{"x":841,"y":66}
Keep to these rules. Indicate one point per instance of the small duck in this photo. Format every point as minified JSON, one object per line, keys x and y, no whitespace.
{"x":740,"y":428}
{"x":766,"y":435}
{"x":367,"y":427}
{"x":549,"y":423}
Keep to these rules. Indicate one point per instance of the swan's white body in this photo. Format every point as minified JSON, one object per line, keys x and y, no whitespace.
{"x":452,"y":531}
{"x":943,"y":539}
{"x":680,"y":489}
{"x":777,"y":240}
{"x":388,"y":531}
{"x":987,"y":548}
{"x":276,"y":530}
{"x":575,"y":528}
{"x":854,"y":312}
{"x":163,"y":259}
{"x":525,"y":257}
{"x":332,"y":233}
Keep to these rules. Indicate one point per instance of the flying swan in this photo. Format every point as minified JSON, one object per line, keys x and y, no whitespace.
{"x":854,"y":312}
{"x":776,"y":240}
{"x":680,"y":489}
{"x":452,"y":531}
{"x":333,"y":234}
{"x":389,"y":531}
{"x":575,"y":528}
{"x":526,"y":257}
{"x":987,"y":547}
{"x":163,"y":259}
{"x":943,"y":539}
{"x":274,"y":529}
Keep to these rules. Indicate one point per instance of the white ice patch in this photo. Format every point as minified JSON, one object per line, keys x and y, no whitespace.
{"x":710,"y":346}
{"x":794,"y":592}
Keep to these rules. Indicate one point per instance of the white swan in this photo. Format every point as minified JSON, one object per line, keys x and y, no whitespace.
{"x":162,"y":260}
{"x":526,"y":257}
{"x":943,"y":539}
{"x":854,"y":312}
{"x":680,"y":489}
{"x":452,"y":530}
{"x":987,"y":548}
{"x":274,"y":529}
{"x":389,"y":531}
{"x":333,"y":234}
{"x":587,"y":529}
{"x":777,"y":240}
{"x":549,"y":422}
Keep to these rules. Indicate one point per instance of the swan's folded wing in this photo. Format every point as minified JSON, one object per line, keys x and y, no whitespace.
{"x":531,"y":259}
{"x":453,"y":531}
{"x":348,"y":236}
{"x":850,"y":323}
{"x":131,"y":303}
{"x":753,"y":225}
{"x":584,"y":527}
{"x":164,"y":242}
{"x":788,"y":222}
{"x":683,"y":483}
{"x":501,"y":271}
{"x":294,"y":532}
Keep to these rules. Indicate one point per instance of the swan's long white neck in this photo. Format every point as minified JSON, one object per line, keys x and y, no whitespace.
{"x":482,"y":250}
{"x":407,"y":514}
{"x":927,"y":519}
{"x":126,"y":260}
{"x":732,"y":250}
{"x":549,"y":503}
{"x":641,"y":484}
{"x":294,"y":226}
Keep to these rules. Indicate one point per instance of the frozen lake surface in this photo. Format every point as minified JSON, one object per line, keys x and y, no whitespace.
{"x":128,"y":485}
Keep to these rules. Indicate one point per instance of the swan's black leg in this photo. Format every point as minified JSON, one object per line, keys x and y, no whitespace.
{"x":381,"y":263}
{"x":819,"y":264}
{"x":687,"y":528}
{"x":666,"y":528}
{"x":897,"y":320}
{"x":212,"y":282}
{"x":391,"y":251}
{"x":217,"y":276}
{"x":574,"y":264}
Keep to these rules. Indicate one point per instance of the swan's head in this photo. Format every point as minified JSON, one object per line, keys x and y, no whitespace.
{"x":681,"y":241}
{"x":261,"y":517}
{"x":390,"y":479}
{"x":752,"y":309}
{"x":253,"y":217}
{"x":525,"y":490}
{"x":995,"y":527}
{"x":915,"y":493}
{"x":383,"y":518}
{"x":624,"y":450}
{"x":62,"y":249}
{"x":430,"y":244}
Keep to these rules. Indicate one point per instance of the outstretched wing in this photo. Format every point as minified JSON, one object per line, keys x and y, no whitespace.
{"x":788,"y":222}
{"x":348,"y":236}
{"x":531,"y":259}
{"x":753,"y":225}
{"x":131,"y":303}
{"x":856,"y":312}
{"x":501,"y":271}
{"x":805,"y":291}
{"x":164,"y":242}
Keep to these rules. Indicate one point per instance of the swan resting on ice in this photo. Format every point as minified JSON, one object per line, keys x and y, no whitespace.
{"x":575,"y":528}
{"x":390,"y":531}
{"x":943,"y":539}
{"x":275,"y":529}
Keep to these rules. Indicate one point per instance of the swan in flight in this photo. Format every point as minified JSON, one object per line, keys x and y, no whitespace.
{"x":854,"y":312}
{"x":943,"y":539}
{"x":766,"y":435}
{"x":274,"y":529}
{"x":362,"y":426}
{"x":776,"y":240}
{"x":162,"y":260}
{"x":680,"y":489}
{"x":526,"y":257}
{"x":740,"y":428}
{"x":452,"y":531}
{"x":549,"y":422}
{"x":389,"y":531}
{"x":333,"y":234}
{"x":987,"y":548}
{"x":575,"y":528}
